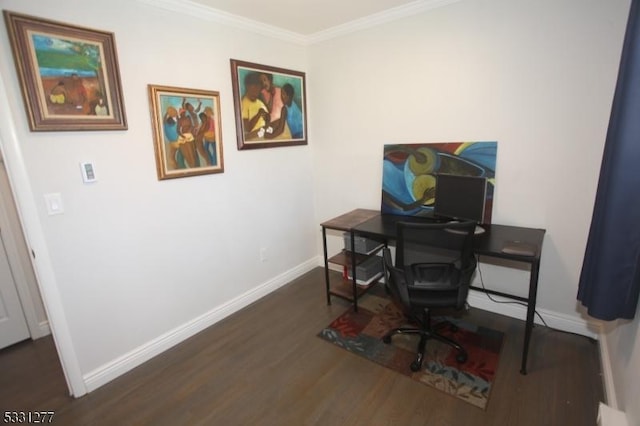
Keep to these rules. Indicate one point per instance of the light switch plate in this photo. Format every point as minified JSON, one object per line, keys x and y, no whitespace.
{"x":54,"y":203}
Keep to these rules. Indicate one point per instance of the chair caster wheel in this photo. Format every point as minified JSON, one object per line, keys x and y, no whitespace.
{"x":415,"y":366}
{"x":461,"y":358}
{"x":386,"y":339}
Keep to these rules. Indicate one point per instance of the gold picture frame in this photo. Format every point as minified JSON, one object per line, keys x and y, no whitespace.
{"x":186,"y":130}
{"x":68,"y":75}
{"x":270,"y":105}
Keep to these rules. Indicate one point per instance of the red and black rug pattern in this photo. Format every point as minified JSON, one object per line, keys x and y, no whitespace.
{"x":361,"y":333}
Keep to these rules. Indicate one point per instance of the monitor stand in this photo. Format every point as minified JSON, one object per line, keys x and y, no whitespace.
{"x":479,"y":229}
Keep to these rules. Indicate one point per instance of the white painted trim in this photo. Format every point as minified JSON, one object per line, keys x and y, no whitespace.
{"x":203,"y":12}
{"x":15,"y":259}
{"x":480,"y":300}
{"x":607,"y":373}
{"x":375,"y":19}
{"x":214,"y":15}
{"x":34,"y":236}
{"x":608,"y":416}
{"x":44,"y":328}
{"x":143,"y":353}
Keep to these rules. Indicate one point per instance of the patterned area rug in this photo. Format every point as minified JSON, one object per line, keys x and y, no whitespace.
{"x":361,"y":333}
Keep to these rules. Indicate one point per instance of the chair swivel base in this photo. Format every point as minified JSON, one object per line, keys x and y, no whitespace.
{"x":425,"y":335}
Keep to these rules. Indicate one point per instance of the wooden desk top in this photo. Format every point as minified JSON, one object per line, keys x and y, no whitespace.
{"x":497,"y":237}
{"x":490,"y":243}
{"x":348,"y":221}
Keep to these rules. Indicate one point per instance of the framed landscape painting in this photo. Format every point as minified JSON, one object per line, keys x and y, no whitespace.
{"x":68,"y":75}
{"x":186,"y":130}
{"x":270,"y":105}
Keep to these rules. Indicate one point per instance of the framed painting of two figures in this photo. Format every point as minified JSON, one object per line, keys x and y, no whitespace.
{"x":270,"y":105}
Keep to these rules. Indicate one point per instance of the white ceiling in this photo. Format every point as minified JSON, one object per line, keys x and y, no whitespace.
{"x":308,"y":17}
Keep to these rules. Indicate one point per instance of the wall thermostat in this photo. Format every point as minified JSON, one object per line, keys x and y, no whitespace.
{"x":88,"y":172}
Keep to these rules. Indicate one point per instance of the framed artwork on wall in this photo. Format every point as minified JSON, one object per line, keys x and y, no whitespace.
{"x":186,"y":131}
{"x":68,"y":75}
{"x":270,"y":105}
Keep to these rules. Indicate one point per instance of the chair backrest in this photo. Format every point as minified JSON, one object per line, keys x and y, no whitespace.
{"x":420,"y":244}
{"x":447,"y":242}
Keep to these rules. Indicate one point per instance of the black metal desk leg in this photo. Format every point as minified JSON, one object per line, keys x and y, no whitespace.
{"x":326,"y":264}
{"x":353,"y":271}
{"x":531,"y":310}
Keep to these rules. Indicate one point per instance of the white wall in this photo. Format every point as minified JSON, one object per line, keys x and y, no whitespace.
{"x":538,"y":77}
{"x":134,"y":260}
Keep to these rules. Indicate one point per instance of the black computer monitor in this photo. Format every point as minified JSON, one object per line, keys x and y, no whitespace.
{"x":460,"y":197}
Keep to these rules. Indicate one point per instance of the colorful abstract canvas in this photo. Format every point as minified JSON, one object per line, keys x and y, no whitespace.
{"x":409,"y":173}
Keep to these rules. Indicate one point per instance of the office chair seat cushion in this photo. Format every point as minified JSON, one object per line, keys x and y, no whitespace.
{"x":420,"y":300}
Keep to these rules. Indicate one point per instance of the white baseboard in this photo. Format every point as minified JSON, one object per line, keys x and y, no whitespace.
{"x":141,"y":354}
{"x":607,"y":373}
{"x":43,"y":329}
{"x":608,"y":416}
{"x":480,"y":300}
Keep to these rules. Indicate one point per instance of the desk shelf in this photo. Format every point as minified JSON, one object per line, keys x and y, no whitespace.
{"x":344,"y":257}
{"x":347,"y":287}
{"x":343,"y":287}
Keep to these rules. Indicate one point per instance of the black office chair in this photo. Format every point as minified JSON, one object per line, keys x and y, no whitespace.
{"x":433,"y":269}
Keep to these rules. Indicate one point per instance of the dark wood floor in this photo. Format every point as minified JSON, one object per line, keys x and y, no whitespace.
{"x":265,"y":366}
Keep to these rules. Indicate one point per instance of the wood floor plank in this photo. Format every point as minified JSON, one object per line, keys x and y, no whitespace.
{"x":265,"y":366}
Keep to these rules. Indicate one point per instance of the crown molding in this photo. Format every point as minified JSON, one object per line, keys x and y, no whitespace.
{"x":214,"y":15}
{"x":379,"y":18}
{"x":197,"y":10}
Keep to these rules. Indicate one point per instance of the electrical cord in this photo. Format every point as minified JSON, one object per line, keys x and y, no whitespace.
{"x":525,"y":305}
{"x":504,"y":301}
